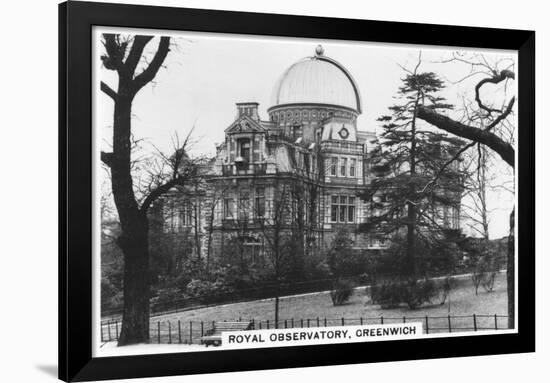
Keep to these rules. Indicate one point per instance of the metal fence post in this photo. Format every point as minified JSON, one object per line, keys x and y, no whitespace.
{"x":116,"y":330}
{"x":202,"y":327}
{"x":343,"y":321}
{"x":169,"y":332}
{"x":449,"y":320}
{"x":361,"y":320}
{"x":158,"y":331}
{"x":325,"y":321}
{"x":285,"y":324}
{"x":496,"y":322}
{"x":267,"y":324}
{"x":317,"y":321}
{"x":292,"y":322}
{"x":179,"y":330}
{"x":404,"y":319}
{"x":382,"y":319}
{"x":475,"y":323}
{"x":190,"y":332}
{"x":308,"y":323}
{"x":301,"y":323}
{"x":109,"y":329}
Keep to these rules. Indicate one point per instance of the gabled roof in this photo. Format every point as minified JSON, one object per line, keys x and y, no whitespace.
{"x":244,"y":124}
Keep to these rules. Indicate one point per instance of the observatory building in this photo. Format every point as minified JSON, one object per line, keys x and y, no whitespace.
{"x":291,"y":180}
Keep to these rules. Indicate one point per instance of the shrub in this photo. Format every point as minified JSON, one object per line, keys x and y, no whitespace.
{"x":489,"y":281}
{"x":445,"y":287}
{"x":166,"y":298}
{"x":391,"y":294}
{"x":484,"y":273}
{"x":341,"y":292}
{"x":420,"y":292}
{"x":342,"y":260}
{"x":387,"y":294}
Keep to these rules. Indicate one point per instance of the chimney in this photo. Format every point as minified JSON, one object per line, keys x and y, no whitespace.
{"x":249,"y":109}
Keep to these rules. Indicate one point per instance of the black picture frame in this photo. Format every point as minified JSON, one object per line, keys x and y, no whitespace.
{"x":76,"y":20}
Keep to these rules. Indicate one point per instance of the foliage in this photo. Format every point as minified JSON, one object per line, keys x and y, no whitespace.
{"x":391,"y":294}
{"x":342,"y":260}
{"x":413,"y":190}
{"x":432,"y":259}
{"x":485,"y":272}
{"x":112,"y":267}
{"x":341,"y":292}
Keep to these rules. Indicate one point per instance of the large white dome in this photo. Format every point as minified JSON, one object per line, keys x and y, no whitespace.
{"x":317,"y":80}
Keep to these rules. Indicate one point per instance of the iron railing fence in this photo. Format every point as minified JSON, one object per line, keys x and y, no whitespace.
{"x":191,"y":332}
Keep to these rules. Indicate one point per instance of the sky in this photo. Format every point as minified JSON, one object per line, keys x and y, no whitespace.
{"x":206,"y":74}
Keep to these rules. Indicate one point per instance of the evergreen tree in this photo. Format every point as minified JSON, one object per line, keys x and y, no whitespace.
{"x":413,"y":186}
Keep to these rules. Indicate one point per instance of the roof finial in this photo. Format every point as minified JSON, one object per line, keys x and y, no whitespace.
{"x":319,"y":51}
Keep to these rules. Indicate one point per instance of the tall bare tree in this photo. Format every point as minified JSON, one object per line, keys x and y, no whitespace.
{"x":488,"y":131}
{"x":125,"y":55}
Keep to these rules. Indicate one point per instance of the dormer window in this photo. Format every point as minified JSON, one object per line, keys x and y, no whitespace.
{"x":244,"y":150}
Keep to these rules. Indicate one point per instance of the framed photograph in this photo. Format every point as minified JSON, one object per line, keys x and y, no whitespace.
{"x":328,"y":191}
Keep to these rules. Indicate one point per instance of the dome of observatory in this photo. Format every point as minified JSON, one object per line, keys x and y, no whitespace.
{"x":317,"y":80}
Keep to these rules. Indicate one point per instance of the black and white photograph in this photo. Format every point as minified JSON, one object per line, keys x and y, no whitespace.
{"x":275,"y":191}
{"x":260,"y":191}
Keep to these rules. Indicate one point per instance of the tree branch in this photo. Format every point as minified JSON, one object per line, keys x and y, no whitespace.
{"x":504,"y":149}
{"x":109,"y":91}
{"x":503,"y":75}
{"x":135,"y":53}
{"x":107,"y":158}
{"x":159,"y":191}
{"x":115,"y":52}
{"x":150,"y":72}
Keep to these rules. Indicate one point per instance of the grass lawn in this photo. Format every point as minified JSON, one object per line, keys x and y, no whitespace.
{"x":304,"y":310}
{"x":309,"y":310}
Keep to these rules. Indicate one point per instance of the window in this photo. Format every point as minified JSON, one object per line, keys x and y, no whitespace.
{"x":186,"y":215}
{"x":334,"y":209}
{"x":296,"y":131}
{"x":333,"y":165}
{"x":352,"y":165}
{"x":343,"y":166}
{"x":228,"y":207}
{"x":243,"y":204}
{"x":259,"y":207}
{"x":342,"y":209}
{"x":244,"y":150}
{"x":351,"y":209}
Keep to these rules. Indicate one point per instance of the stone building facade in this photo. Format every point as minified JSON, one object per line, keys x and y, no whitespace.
{"x":297,"y":173}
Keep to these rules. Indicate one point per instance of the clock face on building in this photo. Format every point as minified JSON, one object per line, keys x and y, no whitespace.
{"x":344,"y":133}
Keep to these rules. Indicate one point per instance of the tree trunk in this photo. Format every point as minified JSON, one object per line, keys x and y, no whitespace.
{"x":134,"y":239}
{"x":510,"y":273}
{"x":135,"y":319}
{"x":411,"y":207}
{"x":277,"y":308}
{"x":411,"y":261}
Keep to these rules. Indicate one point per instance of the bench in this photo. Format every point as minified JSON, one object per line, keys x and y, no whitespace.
{"x":213,"y":336}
